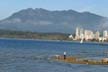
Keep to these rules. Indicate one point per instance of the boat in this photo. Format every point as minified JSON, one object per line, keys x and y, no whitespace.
{"x":81,"y":41}
{"x":82,"y":38}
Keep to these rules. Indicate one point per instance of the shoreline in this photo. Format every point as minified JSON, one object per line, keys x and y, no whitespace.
{"x":89,"y":42}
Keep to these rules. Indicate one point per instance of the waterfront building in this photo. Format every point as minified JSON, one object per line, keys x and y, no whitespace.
{"x":97,"y":35}
{"x":105,"y":34}
{"x":81,"y":33}
{"x":77,"y":36}
{"x":88,"y":35}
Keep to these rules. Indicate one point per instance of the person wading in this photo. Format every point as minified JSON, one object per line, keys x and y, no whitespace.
{"x":64,"y":55}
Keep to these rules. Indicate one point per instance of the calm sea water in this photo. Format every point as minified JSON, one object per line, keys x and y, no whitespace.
{"x":34,"y":56}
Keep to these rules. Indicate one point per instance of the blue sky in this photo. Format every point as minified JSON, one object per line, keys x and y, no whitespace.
{"x":7,"y":7}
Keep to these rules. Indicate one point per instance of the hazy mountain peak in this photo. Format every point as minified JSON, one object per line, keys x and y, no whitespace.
{"x":42,"y":20}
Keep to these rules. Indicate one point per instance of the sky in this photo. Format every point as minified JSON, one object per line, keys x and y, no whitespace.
{"x":8,"y":7}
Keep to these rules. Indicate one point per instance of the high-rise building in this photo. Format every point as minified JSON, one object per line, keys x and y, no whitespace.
{"x":97,"y":35}
{"x":77,"y":33}
{"x":89,"y":35}
{"x":105,"y":33}
{"x":81,"y":33}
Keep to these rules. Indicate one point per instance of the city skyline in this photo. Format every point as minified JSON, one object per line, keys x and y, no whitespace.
{"x":95,"y":6}
{"x":85,"y":34}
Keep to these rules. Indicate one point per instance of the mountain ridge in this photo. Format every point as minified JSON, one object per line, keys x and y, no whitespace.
{"x":42,"y":20}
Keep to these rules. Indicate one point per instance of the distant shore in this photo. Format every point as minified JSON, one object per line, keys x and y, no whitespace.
{"x":58,"y":37}
{"x":90,"y":42}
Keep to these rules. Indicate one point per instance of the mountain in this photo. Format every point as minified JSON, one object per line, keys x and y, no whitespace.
{"x":42,"y":20}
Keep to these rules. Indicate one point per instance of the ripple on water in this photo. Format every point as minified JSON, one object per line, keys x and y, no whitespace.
{"x":34,"y":56}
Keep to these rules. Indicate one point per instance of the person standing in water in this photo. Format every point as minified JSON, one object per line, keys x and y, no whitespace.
{"x":64,"y":55}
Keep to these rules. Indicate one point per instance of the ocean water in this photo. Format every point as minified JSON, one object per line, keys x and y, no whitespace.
{"x":35,"y":56}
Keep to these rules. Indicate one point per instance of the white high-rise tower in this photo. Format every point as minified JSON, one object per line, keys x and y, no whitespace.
{"x":77,"y":33}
